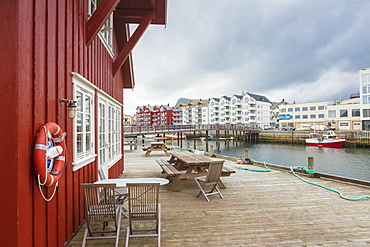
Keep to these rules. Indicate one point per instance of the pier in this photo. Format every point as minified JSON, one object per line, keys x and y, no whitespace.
{"x":259,"y":209}
{"x":241,"y":133}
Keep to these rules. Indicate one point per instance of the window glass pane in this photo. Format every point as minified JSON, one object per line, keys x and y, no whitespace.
{"x":101,"y":156}
{"x":312,"y":108}
{"x":79,"y":143}
{"x":79,"y":101}
{"x":79,"y":122}
{"x":88,"y":141}
{"x":366,"y":112}
{"x":343,"y":113}
{"x":87,"y":105}
{"x":304,"y":108}
{"x":355,"y":112}
{"x":87,"y":124}
{"x":332,"y":114}
{"x":364,"y":89}
{"x":101,"y":139}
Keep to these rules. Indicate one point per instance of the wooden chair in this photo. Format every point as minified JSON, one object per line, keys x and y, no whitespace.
{"x":143,"y":206}
{"x":101,"y":207}
{"x":121,"y":193}
{"x":213,"y":175}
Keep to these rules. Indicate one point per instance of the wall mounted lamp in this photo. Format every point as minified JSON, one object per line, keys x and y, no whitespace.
{"x":71,"y":107}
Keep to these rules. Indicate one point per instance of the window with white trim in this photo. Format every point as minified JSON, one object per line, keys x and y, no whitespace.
{"x":106,"y":31}
{"x":110,"y":130}
{"x":83,"y":122}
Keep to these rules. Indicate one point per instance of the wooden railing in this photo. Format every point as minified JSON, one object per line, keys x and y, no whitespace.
{"x":130,"y":130}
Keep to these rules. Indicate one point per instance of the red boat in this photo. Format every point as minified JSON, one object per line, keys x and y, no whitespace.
{"x":328,"y":139}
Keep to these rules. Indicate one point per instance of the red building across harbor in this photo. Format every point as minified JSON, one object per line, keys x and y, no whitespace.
{"x":63,"y":62}
{"x":158,"y":115}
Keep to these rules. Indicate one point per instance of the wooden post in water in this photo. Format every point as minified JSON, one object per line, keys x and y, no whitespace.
{"x":179,"y":140}
{"x":195,"y":135}
{"x":211,"y":151}
{"x":206,"y":140}
{"x":310,"y":166}
{"x":246,"y":154}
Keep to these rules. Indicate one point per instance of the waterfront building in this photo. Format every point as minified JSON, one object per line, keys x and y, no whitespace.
{"x":275,"y":110}
{"x":176,"y":115}
{"x":236,"y":109}
{"x":127,"y":120}
{"x":195,"y":112}
{"x":365,"y":98}
{"x":247,"y":109}
{"x":158,"y":115}
{"x":256,"y":110}
{"x":214,"y":111}
{"x":343,"y":115}
{"x":225,"y":110}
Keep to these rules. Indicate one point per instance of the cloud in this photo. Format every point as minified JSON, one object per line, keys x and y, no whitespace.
{"x":281,"y":49}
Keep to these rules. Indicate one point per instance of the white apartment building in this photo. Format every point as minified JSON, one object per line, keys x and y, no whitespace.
{"x":246,"y":109}
{"x":365,"y":98}
{"x":343,"y":115}
{"x":257,"y":111}
{"x":195,"y":112}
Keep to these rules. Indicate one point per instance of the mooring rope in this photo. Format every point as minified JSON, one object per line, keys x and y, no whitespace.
{"x":322,"y":186}
{"x":304,"y":180}
{"x":254,"y":170}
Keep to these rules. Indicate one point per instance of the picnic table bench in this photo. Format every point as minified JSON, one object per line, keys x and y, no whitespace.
{"x":156,"y":146}
{"x":130,"y":143}
{"x":167,"y":168}
{"x":193,"y":165}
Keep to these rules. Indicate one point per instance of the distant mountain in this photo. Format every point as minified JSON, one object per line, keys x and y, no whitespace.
{"x":182,"y":101}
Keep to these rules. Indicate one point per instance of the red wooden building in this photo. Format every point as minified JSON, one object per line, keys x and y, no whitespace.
{"x":78,"y":50}
{"x":158,"y":115}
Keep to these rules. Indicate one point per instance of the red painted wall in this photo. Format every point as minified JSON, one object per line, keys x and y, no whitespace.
{"x":42,"y":43}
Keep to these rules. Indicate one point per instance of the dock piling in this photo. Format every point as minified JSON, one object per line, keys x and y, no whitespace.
{"x":310,"y":166}
{"x":246,"y":154}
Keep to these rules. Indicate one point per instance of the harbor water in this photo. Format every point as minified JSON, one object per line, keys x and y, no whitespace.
{"x":346,"y":162}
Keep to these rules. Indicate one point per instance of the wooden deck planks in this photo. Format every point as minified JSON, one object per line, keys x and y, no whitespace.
{"x":259,"y":209}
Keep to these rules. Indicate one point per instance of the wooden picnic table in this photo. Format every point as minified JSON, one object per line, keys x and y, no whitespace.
{"x":156,"y":146}
{"x":194,"y":166}
{"x":129,"y":142}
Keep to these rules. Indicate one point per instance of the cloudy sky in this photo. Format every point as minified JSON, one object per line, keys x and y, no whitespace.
{"x":297,"y":50}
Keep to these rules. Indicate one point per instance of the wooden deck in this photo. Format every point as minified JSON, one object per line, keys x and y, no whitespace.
{"x":259,"y":209}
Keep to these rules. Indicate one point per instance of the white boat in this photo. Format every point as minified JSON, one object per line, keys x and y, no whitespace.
{"x":327,"y":139}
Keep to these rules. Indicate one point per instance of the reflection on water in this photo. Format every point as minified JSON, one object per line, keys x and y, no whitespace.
{"x":348,"y":162}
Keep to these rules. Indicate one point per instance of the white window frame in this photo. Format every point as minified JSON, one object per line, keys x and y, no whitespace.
{"x":106,"y":31}
{"x":109,"y":128}
{"x":86,"y":89}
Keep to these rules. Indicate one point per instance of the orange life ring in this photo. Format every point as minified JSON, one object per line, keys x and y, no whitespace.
{"x":50,"y":133}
